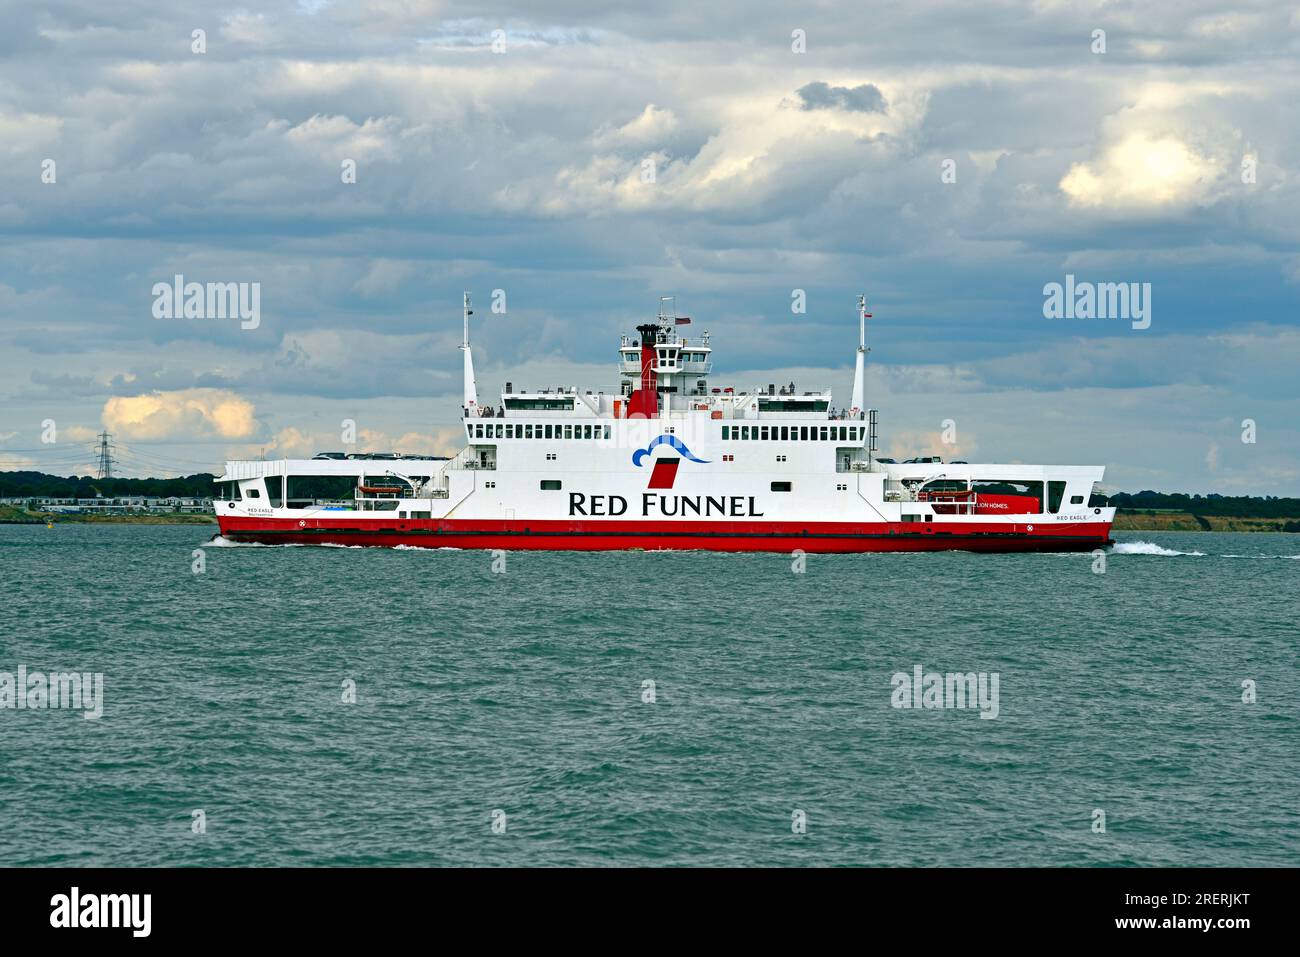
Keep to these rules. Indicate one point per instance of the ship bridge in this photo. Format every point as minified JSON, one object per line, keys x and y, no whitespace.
{"x":664,"y":374}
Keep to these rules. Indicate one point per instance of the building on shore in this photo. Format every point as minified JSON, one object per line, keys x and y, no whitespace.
{"x":117,"y":505}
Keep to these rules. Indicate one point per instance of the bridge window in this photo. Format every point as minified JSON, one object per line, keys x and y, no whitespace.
{"x":773,"y":404}
{"x":546,"y":403}
{"x":1055,"y":492}
{"x":305,"y":490}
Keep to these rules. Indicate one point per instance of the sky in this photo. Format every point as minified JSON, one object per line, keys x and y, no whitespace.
{"x":365,"y":161}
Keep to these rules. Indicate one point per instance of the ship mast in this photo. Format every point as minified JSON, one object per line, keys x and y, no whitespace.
{"x":858,"y":400}
{"x":471,"y":392}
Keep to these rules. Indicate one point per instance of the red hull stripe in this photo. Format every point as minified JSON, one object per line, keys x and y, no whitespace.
{"x":731,"y":536}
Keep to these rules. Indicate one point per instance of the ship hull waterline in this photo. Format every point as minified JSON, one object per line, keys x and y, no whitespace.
{"x":550,"y":535}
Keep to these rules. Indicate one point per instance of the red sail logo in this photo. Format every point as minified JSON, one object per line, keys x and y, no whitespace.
{"x":664,"y":473}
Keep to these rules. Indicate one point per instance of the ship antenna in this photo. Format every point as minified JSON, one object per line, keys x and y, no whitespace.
{"x":858,"y":372}
{"x":471,"y":392}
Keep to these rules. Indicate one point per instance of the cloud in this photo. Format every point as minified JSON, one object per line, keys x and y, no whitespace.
{"x":866,"y":98}
{"x":1141,"y":170}
{"x":652,"y":126}
{"x":187,"y":414}
{"x":292,"y":442}
{"x":907,"y":444}
{"x":21,"y":133}
{"x":78,"y":433}
{"x":383,"y":278}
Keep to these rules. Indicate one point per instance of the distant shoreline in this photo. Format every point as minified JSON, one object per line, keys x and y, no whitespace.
{"x":1140,"y":520}
{"x":19,"y":517}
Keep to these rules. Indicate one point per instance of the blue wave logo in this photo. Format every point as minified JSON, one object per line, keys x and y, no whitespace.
{"x":673,"y":442}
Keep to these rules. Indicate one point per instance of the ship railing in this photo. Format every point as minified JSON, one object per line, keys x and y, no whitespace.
{"x":377,"y":504}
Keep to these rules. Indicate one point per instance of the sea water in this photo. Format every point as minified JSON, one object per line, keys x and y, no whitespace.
{"x":348,"y":706}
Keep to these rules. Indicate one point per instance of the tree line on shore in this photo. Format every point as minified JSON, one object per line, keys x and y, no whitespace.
{"x":1227,"y":506}
{"x":41,"y":485}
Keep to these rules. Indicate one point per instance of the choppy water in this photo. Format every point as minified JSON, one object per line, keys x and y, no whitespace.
{"x":523,"y":692}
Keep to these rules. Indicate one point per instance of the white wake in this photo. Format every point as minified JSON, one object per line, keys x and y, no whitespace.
{"x":1147,"y":548}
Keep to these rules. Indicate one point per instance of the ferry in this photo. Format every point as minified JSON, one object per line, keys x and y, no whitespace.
{"x":667,"y":461}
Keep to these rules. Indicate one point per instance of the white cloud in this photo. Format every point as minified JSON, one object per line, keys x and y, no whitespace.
{"x":649,"y":128}
{"x":292,"y":442}
{"x":186,"y":414}
{"x":1141,"y":170}
{"x":21,"y":133}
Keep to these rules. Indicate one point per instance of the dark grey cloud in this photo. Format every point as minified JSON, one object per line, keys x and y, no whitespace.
{"x":866,"y":98}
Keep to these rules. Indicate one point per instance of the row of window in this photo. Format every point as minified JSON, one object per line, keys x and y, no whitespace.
{"x":526,"y":430}
{"x":764,"y":433}
{"x":795,"y":433}
{"x":670,"y":356}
